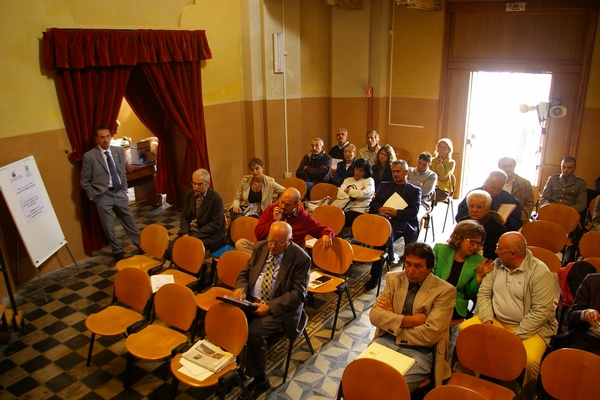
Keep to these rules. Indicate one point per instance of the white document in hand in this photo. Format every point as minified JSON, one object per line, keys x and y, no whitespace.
{"x":399,"y":361}
{"x":505,"y":210}
{"x":396,"y":202}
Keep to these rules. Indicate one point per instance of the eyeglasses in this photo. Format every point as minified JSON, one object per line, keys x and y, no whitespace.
{"x":275,"y":242}
{"x":499,"y":250}
{"x":199,"y":184}
{"x":474,"y":243}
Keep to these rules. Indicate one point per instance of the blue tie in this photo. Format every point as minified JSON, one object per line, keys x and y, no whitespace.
{"x":113,"y":172}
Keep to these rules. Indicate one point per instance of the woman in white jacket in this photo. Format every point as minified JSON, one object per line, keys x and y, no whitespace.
{"x":256,"y":192}
{"x":359,"y":188}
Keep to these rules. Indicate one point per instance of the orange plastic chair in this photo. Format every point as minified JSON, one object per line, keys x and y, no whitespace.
{"x":321,"y":190}
{"x":589,"y":244}
{"x":570,"y":374}
{"x":243,"y":228}
{"x":545,"y":234}
{"x":330,"y":216}
{"x":547,"y":257}
{"x":132,"y":289}
{"x":491,"y":351}
{"x":367,"y":378}
{"x":227,"y":327}
{"x":188,"y":261}
{"x":449,"y":392}
{"x":154,"y":241}
{"x":335,"y":260}
{"x":595,"y":261}
{"x":295,"y":183}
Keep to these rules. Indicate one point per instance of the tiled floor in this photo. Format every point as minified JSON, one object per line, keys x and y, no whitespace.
{"x":47,"y":359}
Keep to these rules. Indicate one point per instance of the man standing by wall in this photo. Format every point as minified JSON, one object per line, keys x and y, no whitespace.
{"x":103,"y":178}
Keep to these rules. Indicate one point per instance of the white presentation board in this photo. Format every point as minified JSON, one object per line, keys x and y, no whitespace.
{"x":31,"y":209}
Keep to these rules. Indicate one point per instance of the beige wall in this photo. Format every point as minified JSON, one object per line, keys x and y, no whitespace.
{"x":332,"y":56}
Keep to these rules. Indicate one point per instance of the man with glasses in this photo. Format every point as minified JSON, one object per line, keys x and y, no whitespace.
{"x":478,"y":206}
{"x":494,"y":185}
{"x":202,"y":216}
{"x":288,"y":209}
{"x":276,"y":280}
{"x":518,"y":295}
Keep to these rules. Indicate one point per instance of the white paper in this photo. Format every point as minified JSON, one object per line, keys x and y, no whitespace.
{"x":311,"y":242}
{"x":399,"y":361}
{"x":334,"y":163}
{"x":313,"y":281}
{"x":505,"y":210}
{"x":193,"y":370}
{"x":159,"y":280}
{"x":396,"y":202}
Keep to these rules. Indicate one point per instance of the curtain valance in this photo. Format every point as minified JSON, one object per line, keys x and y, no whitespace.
{"x":81,"y":48}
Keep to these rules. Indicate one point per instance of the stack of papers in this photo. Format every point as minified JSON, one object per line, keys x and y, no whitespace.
{"x":399,"y":361}
{"x":208,"y":355}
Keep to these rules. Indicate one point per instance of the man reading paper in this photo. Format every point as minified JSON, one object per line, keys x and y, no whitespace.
{"x":403,"y":220}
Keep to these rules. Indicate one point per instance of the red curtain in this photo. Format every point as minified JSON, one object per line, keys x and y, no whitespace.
{"x":92,"y":71}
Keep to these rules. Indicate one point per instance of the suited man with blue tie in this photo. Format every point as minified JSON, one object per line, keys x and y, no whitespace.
{"x":276,"y":280}
{"x":104,"y":181}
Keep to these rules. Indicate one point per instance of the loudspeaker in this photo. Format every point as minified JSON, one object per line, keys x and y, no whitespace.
{"x":558,"y":112}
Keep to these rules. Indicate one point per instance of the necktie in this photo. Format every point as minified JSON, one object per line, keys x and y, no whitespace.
{"x":413,"y":288}
{"x":113,"y":172}
{"x":265,"y":290}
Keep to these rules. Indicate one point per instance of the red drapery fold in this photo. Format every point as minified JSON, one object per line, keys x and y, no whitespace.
{"x":92,"y":71}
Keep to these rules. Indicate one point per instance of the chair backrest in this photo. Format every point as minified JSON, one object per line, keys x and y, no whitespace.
{"x":451,"y":392}
{"x":367,"y":378}
{"x":295,"y":183}
{"x":336,"y":259}
{"x":402,"y":154}
{"x":330,"y":216}
{"x":230,"y":264}
{"x":589,"y":244}
{"x":133,"y":287}
{"x":188,"y":254}
{"x":322,"y":190}
{"x":243,"y":227}
{"x":595,"y":261}
{"x":590,"y":212}
{"x":227,"y":327}
{"x":565,"y":216}
{"x":492,"y":351}
{"x":549,"y":258}
{"x":175,"y":304}
{"x":372,"y":229}
{"x":571,"y":374}
{"x":545,"y":234}
{"x":154,"y":240}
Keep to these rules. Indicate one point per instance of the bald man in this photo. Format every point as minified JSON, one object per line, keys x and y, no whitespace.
{"x":518,"y":295}
{"x":494,"y":185}
{"x":288,"y":209}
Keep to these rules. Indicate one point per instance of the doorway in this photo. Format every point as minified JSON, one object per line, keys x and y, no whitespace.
{"x":496,"y":128}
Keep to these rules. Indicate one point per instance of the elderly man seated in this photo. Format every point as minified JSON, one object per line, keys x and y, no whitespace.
{"x":315,"y":166}
{"x":493,"y":185}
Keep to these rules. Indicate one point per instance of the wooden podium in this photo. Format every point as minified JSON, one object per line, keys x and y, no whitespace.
{"x":141,"y":179}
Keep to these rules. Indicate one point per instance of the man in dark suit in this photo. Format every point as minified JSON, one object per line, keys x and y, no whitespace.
{"x":276,"y":279}
{"x":103,"y":178}
{"x":404,"y":221}
{"x":203,"y":215}
{"x":584,"y":316}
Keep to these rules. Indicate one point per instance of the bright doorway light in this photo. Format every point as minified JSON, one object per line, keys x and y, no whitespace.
{"x":496,"y":128}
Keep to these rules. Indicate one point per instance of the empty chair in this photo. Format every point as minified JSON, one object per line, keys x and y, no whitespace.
{"x":154,"y":241}
{"x":243,"y":228}
{"x":229,"y":267}
{"x":402,"y":154}
{"x":589,"y":245}
{"x":174,"y":305}
{"x":330,"y":216}
{"x":295,"y":183}
{"x":374,"y":231}
{"x":570,"y":374}
{"x":227,"y":327}
{"x":132,"y":289}
{"x":450,"y":392}
{"x":321,"y":190}
{"x":188,"y":261}
{"x":565,"y":216}
{"x":367,"y":378}
{"x":545,"y":234}
{"x":547,"y":257}
{"x":491,"y":351}
{"x":335,"y":260}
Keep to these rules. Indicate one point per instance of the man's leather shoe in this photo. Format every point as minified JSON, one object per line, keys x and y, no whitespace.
{"x":371,"y":284}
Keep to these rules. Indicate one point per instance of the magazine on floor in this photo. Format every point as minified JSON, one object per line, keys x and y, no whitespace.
{"x":208,"y":355}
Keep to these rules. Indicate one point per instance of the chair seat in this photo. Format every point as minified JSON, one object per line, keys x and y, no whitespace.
{"x":488,"y":389}
{"x":143,"y":344}
{"x":364,"y":254}
{"x":113,"y":320}
{"x":207,"y":299}
{"x":180,"y":277}
{"x":142,"y":262}
{"x":328,"y":287}
{"x":188,"y":380}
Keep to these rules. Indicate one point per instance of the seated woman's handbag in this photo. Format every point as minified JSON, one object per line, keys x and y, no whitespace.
{"x":310,"y":205}
{"x":344,"y":201}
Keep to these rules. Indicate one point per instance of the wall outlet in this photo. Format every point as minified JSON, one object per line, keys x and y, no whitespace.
{"x":287,"y":175}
